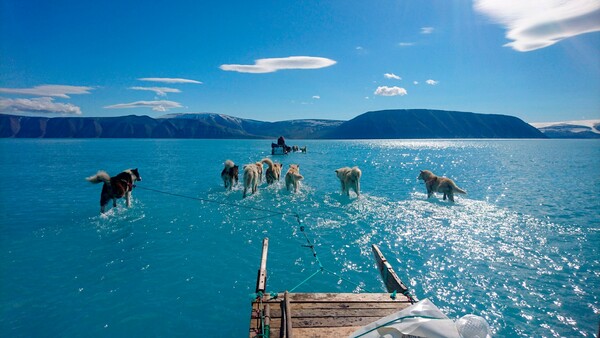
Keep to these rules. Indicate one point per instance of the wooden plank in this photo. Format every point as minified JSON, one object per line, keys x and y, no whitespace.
{"x":390,"y":278}
{"x":326,"y":313}
{"x":276,"y":323}
{"x":261,"y":281}
{"x":288,"y":316}
{"x":344,"y":297}
{"x":326,"y":332}
{"x":361,"y":305}
{"x":267,"y":319}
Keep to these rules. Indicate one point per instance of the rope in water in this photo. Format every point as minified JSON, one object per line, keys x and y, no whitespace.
{"x":310,"y":245}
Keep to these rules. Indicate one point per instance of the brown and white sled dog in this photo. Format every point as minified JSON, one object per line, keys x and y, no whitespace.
{"x":293,"y":177}
{"x":252,"y":177}
{"x":115,"y":187}
{"x":229,"y":174}
{"x":350,"y":179}
{"x":273,"y":172}
{"x":439,"y":184}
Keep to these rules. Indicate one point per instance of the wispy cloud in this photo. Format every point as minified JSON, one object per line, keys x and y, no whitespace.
{"x":316,"y":97}
{"x":275,"y":64}
{"x":38,"y":105}
{"x":49,"y":90}
{"x":390,"y":91}
{"x":426,"y":30}
{"x":168,"y":80}
{"x":415,"y":82}
{"x":392,"y":76}
{"x":432,"y":82}
{"x":161,"y":105}
{"x":406,"y":44}
{"x":160,"y":91}
{"x":536,"y":24}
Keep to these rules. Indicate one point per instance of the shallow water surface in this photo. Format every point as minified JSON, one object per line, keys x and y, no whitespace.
{"x":521,"y":249}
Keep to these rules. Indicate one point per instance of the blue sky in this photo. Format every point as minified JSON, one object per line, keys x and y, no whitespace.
{"x":538,"y":60}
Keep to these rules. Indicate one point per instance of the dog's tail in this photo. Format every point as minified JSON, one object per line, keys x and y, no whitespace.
{"x":229,"y":164}
{"x":268,"y":162}
{"x":456,"y":189}
{"x":355,"y":173}
{"x":101,"y":176}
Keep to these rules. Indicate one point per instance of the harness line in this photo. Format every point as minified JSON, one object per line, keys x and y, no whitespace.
{"x":310,"y":245}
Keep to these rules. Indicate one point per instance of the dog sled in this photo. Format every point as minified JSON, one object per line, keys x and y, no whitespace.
{"x":279,"y":149}
{"x":289,"y":314}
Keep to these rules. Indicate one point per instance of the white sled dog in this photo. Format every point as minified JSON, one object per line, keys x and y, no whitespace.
{"x":350,"y":179}
{"x":252,"y":177}
{"x":273,"y":172}
{"x":444,"y":185}
{"x":229,"y":174}
{"x":293,"y":177}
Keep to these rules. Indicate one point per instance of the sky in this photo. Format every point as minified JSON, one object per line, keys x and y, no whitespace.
{"x":267,"y":60}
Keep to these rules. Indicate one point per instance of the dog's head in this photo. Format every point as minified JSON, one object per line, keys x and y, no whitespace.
{"x":136,"y":175}
{"x":425,"y":175}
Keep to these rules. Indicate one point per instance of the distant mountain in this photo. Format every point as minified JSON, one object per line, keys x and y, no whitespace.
{"x":410,"y":123}
{"x":294,"y":129}
{"x":423,"y":123}
{"x":570,"y":129}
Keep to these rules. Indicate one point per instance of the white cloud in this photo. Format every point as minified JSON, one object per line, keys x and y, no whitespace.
{"x":390,"y":91}
{"x":416,"y":82}
{"x":161,"y":105}
{"x":359,"y":48}
{"x":160,"y":91}
{"x":38,"y":105}
{"x":392,"y":76}
{"x":168,"y":80}
{"x":275,"y":64}
{"x":432,"y":82}
{"x":406,"y":44}
{"x":316,"y":97}
{"x":49,"y":90}
{"x":535,"y":24}
{"x":426,"y":30}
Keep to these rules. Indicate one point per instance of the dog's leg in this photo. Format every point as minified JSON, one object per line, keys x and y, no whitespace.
{"x":451,"y":196}
{"x":102,"y":208}
{"x":444,"y":198}
{"x":128,"y":198}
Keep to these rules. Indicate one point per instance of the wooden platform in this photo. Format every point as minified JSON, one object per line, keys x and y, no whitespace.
{"x":323,"y":314}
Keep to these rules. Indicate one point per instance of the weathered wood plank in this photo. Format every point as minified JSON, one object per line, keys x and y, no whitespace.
{"x":353,"y":305}
{"x":261,"y":280}
{"x":288,"y":316}
{"x":326,"y":332}
{"x":322,"y":322}
{"x":390,"y":278}
{"x":327,"y":313}
{"x":346,"y":297}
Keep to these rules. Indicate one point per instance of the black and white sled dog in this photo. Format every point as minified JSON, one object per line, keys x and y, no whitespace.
{"x":115,"y":187}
